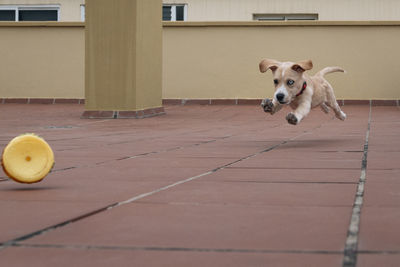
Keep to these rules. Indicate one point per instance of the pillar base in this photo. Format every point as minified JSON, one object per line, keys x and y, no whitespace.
{"x":137,"y":114}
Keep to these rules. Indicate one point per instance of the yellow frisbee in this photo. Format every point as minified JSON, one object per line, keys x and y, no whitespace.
{"x":27,"y":159}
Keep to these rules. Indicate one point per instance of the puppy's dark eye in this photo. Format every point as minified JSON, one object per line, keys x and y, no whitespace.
{"x":290,"y":82}
{"x":276,"y":82}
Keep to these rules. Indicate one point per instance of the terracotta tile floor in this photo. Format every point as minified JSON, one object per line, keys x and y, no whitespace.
{"x":205,"y":186}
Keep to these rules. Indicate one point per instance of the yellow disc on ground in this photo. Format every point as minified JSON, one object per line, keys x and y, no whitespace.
{"x":27,"y":159}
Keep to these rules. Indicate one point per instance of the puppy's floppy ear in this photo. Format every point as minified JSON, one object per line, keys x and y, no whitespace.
{"x":302,"y":66}
{"x":266,"y":64}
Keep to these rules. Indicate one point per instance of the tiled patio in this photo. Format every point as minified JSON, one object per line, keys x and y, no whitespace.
{"x":204,"y":185}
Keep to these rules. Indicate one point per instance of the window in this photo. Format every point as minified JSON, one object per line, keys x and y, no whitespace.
{"x":284,"y":17}
{"x":30,"y":13}
{"x":174,"y":12}
{"x":7,"y":15}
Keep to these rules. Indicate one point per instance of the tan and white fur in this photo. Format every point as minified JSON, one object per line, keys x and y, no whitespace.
{"x":289,"y":79}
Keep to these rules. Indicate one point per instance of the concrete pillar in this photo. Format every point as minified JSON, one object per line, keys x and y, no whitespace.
{"x":123,"y":64}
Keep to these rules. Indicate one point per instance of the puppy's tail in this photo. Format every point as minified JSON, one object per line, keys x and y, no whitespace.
{"x":327,"y":70}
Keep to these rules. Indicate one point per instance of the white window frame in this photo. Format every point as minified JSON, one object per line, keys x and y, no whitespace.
{"x":83,"y":12}
{"x":18,"y":8}
{"x":173,"y":11}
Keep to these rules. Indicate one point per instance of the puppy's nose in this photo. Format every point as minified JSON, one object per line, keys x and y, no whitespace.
{"x":280,"y":97}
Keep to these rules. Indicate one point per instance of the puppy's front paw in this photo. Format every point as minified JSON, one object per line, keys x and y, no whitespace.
{"x":267,"y":105}
{"x":291,"y":118}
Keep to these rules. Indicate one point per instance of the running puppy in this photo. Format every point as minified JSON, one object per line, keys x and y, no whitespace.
{"x":295,"y":88}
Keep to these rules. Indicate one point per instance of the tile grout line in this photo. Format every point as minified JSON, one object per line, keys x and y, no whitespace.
{"x":203,"y":174}
{"x":289,"y":182}
{"x":182,"y":249}
{"x":213,"y":250}
{"x":149,"y":153}
{"x":14,"y":242}
{"x":297,"y":168}
{"x":136,"y":156}
{"x":351,"y":244}
{"x":145,"y":154}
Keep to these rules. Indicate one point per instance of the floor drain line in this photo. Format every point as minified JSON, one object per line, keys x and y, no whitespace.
{"x":350,"y":250}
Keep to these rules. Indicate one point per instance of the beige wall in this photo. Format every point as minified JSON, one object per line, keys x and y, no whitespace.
{"x":70,"y":10}
{"x":42,"y":62}
{"x":221,"y":60}
{"x":243,"y":10}
{"x":210,"y":60}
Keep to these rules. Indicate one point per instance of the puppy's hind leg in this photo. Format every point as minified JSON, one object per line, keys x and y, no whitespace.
{"x":324,"y":108}
{"x":338,"y":112}
{"x":334,"y":105}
